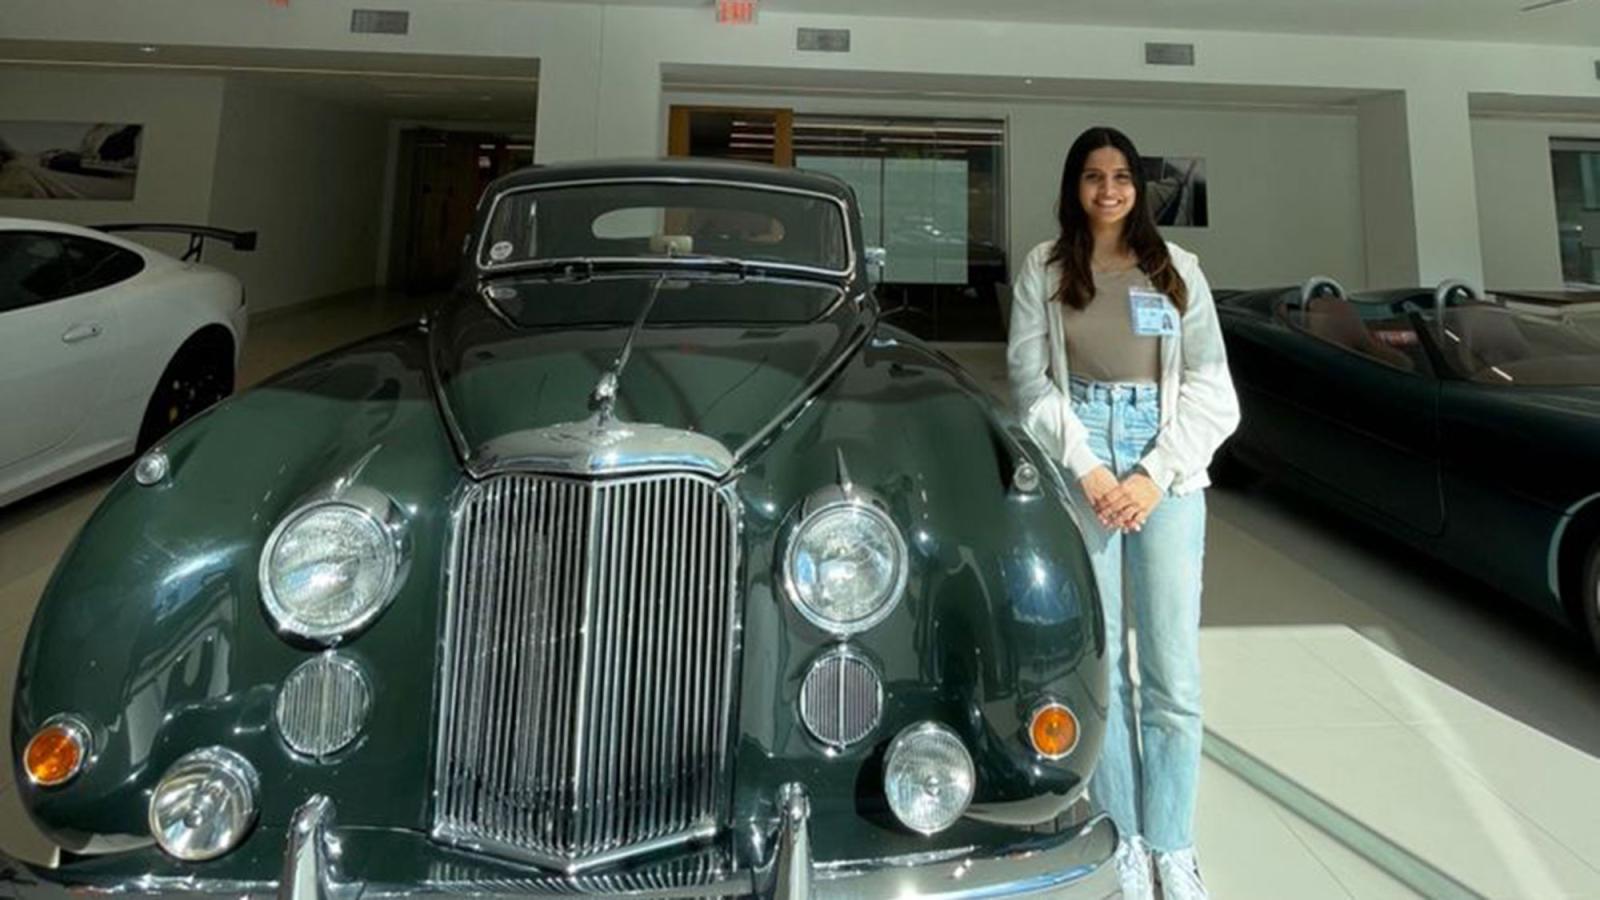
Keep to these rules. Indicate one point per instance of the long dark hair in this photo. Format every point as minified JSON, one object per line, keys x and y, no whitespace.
{"x":1074,"y":247}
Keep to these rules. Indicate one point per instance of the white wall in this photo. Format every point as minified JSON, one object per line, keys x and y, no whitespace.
{"x":1516,"y":199}
{"x":1278,"y":181}
{"x":307,"y":175}
{"x":1278,"y":185}
{"x":180,"y":115}
{"x":601,"y":68}
{"x":1389,"y":219}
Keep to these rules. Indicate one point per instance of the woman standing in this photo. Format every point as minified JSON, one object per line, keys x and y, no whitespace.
{"x":1145,"y":402}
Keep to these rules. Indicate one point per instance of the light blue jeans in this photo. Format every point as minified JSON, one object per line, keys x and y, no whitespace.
{"x":1149,"y":767}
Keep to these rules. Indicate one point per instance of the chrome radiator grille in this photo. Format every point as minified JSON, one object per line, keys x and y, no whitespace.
{"x":588,"y":667}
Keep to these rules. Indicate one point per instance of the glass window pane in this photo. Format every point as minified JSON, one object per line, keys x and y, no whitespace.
{"x":1575,"y":166}
{"x":932,"y":194}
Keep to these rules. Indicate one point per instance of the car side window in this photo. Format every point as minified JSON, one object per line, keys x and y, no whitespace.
{"x":96,"y":264}
{"x":1391,"y":341}
{"x":34,"y":269}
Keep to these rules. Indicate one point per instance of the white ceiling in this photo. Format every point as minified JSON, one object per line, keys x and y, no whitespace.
{"x":1574,"y":23}
{"x":397,"y":86}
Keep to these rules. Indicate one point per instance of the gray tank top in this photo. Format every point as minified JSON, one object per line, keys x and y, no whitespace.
{"x":1101,"y":345}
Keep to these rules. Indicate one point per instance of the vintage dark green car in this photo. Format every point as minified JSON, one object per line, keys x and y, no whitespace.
{"x":652,"y":563}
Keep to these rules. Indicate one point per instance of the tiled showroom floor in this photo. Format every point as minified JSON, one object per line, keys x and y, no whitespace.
{"x":1378,"y":726}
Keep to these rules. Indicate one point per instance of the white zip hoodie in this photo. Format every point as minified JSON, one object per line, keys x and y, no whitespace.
{"x":1198,"y":406}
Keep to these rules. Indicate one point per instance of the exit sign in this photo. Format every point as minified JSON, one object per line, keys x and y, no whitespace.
{"x":736,"y":12}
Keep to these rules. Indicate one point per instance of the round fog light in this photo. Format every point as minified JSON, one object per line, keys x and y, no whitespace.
{"x":57,"y":752}
{"x":205,"y":804}
{"x":928,"y":777}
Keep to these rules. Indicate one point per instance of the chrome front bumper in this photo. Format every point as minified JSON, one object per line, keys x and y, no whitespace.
{"x":1073,"y":865}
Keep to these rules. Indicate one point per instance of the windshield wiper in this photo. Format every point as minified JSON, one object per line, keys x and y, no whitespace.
{"x":571,"y":269}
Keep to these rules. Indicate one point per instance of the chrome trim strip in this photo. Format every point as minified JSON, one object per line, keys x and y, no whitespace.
{"x":844,"y":214}
{"x":457,"y":838}
{"x":595,"y":447}
{"x":806,"y":397}
{"x":1069,"y":865}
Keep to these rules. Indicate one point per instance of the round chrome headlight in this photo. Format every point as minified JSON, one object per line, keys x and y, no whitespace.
{"x":205,"y":805}
{"x":845,"y":567}
{"x":330,"y":567}
{"x":928,"y":777}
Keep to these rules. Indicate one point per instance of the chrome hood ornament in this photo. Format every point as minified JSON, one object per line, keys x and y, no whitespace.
{"x":604,"y":444}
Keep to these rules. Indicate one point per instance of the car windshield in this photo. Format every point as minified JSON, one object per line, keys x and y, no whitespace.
{"x":656,"y":220}
{"x":1499,"y":345}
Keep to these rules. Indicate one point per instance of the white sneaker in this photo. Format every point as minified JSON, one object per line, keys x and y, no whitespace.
{"x":1133,"y":869}
{"x":1179,"y":873}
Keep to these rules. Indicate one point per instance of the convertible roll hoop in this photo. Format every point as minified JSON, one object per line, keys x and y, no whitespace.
{"x":239,"y":240}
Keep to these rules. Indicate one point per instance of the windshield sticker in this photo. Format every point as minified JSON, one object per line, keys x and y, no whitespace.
{"x":501,"y":251}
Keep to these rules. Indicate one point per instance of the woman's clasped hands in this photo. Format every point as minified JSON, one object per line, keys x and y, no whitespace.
{"x":1121,"y":505}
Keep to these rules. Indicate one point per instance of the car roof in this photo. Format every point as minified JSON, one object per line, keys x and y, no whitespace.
{"x":16,"y":224}
{"x":695,"y":169}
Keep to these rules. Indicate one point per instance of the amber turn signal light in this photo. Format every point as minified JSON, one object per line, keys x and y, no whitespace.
{"x":1053,"y":731}
{"x":56,"y":753}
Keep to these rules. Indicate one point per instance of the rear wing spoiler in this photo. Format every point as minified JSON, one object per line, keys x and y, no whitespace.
{"x":239,"y":240}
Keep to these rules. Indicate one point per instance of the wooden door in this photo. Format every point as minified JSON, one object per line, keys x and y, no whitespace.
{"x":727,"y":132}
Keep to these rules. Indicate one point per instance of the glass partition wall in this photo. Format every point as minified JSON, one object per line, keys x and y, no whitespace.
{"x":932,"y":194}
{"x":1576,"y":166}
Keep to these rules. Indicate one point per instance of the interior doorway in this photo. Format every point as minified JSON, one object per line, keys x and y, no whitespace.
{"x":728,"y":132}
{"x":441,"y":176}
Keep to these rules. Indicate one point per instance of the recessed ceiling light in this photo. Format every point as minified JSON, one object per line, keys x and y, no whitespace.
{"x":147,"y":48}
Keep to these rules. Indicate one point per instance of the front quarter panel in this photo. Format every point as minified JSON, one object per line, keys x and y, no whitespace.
{"x":152,"y":628}
{"x":1000,"y":610}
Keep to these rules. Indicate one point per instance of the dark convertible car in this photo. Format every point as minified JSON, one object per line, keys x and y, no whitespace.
{"x":651,"y":564}
{"x":1467,"y":427}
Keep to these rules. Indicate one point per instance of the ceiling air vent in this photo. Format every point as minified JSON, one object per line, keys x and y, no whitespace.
{"x":825,"y":40}
{"x":380,"y":21}
{"x":1169,"y":54}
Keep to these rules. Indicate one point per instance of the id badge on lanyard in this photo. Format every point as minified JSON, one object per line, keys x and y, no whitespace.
{"x":1154,"y":314}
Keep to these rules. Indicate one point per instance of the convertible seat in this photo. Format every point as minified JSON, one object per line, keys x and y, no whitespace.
{"x":1336,"y":321}
{"x":1487,"y":336}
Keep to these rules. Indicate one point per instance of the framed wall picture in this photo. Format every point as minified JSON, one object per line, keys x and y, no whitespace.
{"x":1177,"y":188}
{"x":69,"y":160}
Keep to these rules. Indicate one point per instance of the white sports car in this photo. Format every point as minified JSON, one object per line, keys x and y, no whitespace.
{"x":106,"y":345}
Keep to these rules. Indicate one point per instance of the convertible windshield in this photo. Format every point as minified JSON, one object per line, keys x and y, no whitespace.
{"x":1498,"y":345}
{"x":657,"y":220}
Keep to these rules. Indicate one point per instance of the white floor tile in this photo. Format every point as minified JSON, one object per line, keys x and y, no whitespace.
{"x":1399,"y":784}
{"x":1247,"y":851}
{"x":1358,"y":876}
{"x":1264,"y":678}
{"x":1547,"y":781}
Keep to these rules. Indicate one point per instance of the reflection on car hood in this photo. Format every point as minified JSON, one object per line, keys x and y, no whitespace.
{"x":726,"y":381}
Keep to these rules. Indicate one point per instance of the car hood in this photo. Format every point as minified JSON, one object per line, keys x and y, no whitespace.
{"x":724,"y":381}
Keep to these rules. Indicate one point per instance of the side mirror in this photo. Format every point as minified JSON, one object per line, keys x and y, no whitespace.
{"x":877,"y":262}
